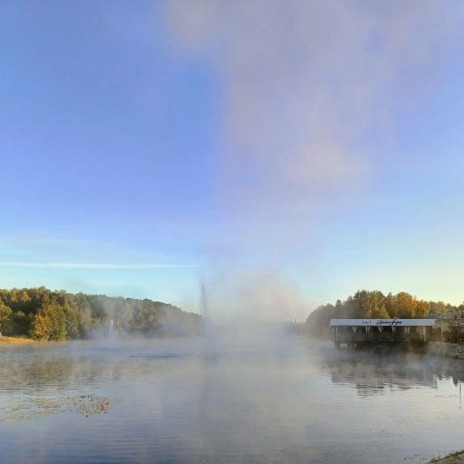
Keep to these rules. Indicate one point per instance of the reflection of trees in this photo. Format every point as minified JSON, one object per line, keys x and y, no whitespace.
{"x":373,"y":373}
{"x":59,"y":367}
{"x":452,"y":369}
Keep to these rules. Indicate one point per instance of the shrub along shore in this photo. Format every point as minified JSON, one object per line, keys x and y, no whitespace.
{"x":16,"y":340}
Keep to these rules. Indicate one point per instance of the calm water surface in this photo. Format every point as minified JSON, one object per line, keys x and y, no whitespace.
{"x":274,"y":399}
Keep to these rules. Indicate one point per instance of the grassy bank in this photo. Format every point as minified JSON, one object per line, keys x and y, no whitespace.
{"x":453,"y":458}
{"x":16,"y":340}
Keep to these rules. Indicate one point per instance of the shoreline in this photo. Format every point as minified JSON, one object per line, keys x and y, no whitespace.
{"x":446,"y":349}
{"x":453,"y":458}
{"x":16,"y":340}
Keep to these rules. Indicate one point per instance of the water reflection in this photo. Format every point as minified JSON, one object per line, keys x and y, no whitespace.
{"x":231,"y":400}
{"x":91,"y":363}
{"x":374,"y":372}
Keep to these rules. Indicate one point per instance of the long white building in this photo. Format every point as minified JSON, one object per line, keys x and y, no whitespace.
{"x":356,"y":332}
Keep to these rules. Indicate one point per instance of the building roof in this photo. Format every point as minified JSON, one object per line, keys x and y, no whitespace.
{"x":382,"y":322}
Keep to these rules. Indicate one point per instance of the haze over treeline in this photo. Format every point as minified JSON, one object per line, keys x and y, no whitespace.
{"x":374,"y":304}
{"x":45,"y":314}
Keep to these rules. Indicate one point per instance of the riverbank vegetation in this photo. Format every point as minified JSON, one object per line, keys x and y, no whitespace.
{"x":16,"y":340}
{"x":43,"y":314}
{"x":453,"y":458}
{"x":375,"y":305}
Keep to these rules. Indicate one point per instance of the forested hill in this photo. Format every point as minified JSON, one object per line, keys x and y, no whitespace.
{"x":44,"y":314}
{"x":375,"y":305}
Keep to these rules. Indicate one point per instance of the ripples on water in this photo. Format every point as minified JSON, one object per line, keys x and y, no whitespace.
{"x":275,"y":399}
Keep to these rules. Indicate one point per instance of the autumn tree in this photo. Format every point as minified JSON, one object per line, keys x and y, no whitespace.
{"x":438,"y":307}
{"x":422,"y":309}
{"x":5,"y":314}
{"x":406,"y":305}
{"x":49,"y":323}
{"x":390,"y":306}
{"x":372,"y":304}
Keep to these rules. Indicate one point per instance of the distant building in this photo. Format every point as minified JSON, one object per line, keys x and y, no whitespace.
{"x":358,"y":332}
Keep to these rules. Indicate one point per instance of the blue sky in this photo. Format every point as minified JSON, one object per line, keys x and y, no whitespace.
{"x":286,"y":153}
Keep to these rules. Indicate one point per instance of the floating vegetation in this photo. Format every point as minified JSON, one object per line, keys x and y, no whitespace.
{"x":86,"y":405}
{"x":90,"y":404}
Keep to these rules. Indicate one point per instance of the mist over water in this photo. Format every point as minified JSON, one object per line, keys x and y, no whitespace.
{"x":302,"y":103}
{"x":239,"y":399}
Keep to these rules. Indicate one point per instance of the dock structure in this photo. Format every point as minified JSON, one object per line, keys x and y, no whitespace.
{"x":359,"y":332}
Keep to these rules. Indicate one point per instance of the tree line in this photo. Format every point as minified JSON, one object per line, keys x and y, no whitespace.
{"x":366,"y":304}
{"x":44,"y":314}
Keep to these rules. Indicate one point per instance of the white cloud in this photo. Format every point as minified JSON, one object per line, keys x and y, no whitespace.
{"x":95,"y":266}
{"x":306,"y":84}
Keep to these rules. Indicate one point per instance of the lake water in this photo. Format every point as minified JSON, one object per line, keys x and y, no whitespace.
{"x":232,"y":399}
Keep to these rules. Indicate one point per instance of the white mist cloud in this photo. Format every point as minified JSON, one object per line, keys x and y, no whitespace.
{"x":309,"y":90}
{"x":255,"y":296}
{"x":306,"y":84}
